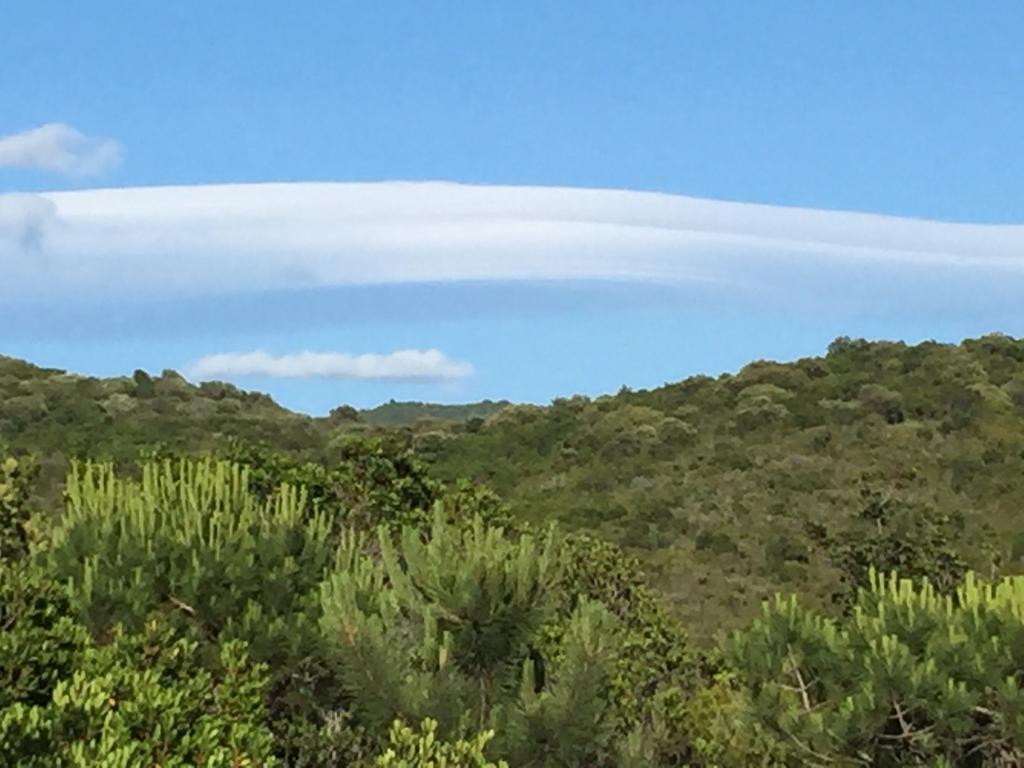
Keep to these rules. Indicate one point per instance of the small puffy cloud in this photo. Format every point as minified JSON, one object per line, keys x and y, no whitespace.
{"x":59,"y":148}
{"x":404,"y":365}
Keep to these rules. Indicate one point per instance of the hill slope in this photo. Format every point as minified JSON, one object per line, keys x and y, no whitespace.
{"x":781,"y":476}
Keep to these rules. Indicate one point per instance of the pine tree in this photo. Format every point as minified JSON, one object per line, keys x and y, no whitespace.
{"x":193,"y":538}
{"x":911,"y":678}
{"x":442,"y":626}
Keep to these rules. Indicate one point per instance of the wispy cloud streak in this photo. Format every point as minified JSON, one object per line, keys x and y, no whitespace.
{"x":404,"y":365}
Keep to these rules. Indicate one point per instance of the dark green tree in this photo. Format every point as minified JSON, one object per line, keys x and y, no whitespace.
{"x":442,"y":626}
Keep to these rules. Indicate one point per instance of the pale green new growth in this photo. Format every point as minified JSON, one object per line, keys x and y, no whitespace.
{"x":911,"y":678}
{"x":410,"y":749}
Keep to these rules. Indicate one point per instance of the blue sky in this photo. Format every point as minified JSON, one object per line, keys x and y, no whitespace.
{"x":907,"y":109}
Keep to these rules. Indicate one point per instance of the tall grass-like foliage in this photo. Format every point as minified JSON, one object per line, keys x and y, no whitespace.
{"x":191,"y":537}
{"x":911,"y":678}
{"x":441,"y":626}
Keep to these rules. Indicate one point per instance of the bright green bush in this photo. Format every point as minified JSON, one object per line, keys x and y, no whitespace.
{"x":137,"y":699}
{"x":145,"y":700}
{"x":192,"y":541}
{"x":411,"y":749}
{"x":40,"y":639}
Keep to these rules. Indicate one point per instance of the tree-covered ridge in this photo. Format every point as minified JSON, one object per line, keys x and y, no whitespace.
{"x":62,"y":415}
{"x":395,"y":414}
{"x":783,"y":476}
{"x":52,"y":411}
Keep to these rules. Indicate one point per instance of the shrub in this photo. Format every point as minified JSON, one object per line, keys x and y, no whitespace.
{"x":145,"y":700}
{"x":141,"y":699}
{"x":655,"y":670}
{"x":16,"y":484}
{"x":411,"y":749}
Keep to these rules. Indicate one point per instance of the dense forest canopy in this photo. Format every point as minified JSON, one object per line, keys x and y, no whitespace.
{"x":810,"y":563}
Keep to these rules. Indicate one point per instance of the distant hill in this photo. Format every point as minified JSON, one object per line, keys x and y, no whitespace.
{"x":60,"y":414}
{"x":53,"y":411}
{"x":392,"y":414}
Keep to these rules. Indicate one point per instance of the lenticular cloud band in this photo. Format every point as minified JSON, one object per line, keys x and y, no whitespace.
{"x":221,"y":239}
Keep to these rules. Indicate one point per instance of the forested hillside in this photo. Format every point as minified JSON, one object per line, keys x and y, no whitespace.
{"x":55,"y":412}
{"x":60,"y":415}
{"x":826,"y":575}
{"x":782,"y":476}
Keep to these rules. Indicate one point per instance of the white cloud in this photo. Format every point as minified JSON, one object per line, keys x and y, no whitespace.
{"x":59,"y":148}
{"x":210,"y":240}
{"x":404,"y":365}
{"x":25,"y":221}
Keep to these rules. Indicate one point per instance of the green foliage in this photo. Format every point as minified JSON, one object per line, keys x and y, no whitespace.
{"x":16,"y":479}
{"x":720,"y":732}
{"x":191,"y":537}
{"x":144,"y":700}
{"x":564,"y":720}
{"x":910,"y":678}
{"x":380,"y":480}
{"x":370,"y":480}
{"x":441,"y":626}
{"x":56,"y":414}
{"x":655,"y":671}
{"x":40,"y":640}
{"x":888,"y":536}
{"x":376,"y":575}
{"x":882,"y":401}
{"x":141,"y":699}
{"x":393,"y":414}
{"x":718,"y":485}
{"x":411,"y":749}
{"x":696,"y":477}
